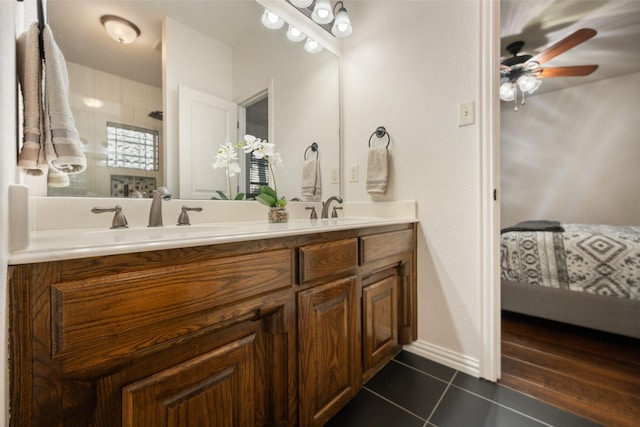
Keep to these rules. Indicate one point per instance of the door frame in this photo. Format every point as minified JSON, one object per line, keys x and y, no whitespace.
{"x":489,"y":130}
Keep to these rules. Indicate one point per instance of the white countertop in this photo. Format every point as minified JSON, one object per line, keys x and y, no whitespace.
{"x":59,"y":244}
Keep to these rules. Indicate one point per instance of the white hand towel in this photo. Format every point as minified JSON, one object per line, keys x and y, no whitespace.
{"x":63,"y":148}
{"x":311,"y":180}
{"x":31,"y":157}
{"x":377,"y":170}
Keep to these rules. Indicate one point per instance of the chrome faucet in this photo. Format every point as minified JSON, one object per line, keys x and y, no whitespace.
{"x":325,"y":205}
{"x":155,"y":214}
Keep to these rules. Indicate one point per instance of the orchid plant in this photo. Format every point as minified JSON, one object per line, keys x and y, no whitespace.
{"x":262,"y":149}
{"x":227,"y":158}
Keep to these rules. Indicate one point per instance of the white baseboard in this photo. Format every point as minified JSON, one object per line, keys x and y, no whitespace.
{"x":446,"y":357}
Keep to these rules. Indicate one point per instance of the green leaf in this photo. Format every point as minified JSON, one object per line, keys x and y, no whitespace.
{"x":265,"y":189}
{"x":282,"y":202}
{"x":266,"y":199}
{"x":240,"y":196}
{"x":222,"y":195}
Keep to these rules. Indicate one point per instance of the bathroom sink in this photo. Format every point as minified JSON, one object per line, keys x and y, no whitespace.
{"x":170,"y":232}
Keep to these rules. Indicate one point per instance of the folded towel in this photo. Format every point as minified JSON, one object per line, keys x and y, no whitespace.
{"x":63,"y":148}
{"x":377,"y":170}
{"x":311,"y":180}
{"x":31,"y":157}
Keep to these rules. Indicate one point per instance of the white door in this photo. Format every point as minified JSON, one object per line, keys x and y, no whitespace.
{"x":205,"y":123}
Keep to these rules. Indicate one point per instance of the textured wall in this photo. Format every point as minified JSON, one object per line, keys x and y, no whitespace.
{"x":572,"y":155}
{"x":407,"y":66}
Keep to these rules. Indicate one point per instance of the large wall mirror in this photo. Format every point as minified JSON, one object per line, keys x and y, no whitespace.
{"x":189,"y":58}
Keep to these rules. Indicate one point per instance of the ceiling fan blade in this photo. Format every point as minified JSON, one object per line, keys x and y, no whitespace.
{"x":575,"y":71}
{"x":564,"y":45}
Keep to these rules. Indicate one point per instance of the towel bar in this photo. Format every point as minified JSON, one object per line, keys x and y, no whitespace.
{"x":380,"y":132}
{"x":313,"y":147}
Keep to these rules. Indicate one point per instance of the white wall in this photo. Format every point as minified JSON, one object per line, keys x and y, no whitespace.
{"x":407,"y":66}
{"x":200,"y":62}
{"x":305,"y":93}
{"x":572,"y":155}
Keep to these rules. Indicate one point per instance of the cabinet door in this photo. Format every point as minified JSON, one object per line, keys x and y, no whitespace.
{"x":214,"y":389}
{"x":328,"y":340}
{"x":379,"y":323}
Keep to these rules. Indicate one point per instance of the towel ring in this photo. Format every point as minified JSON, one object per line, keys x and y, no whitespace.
{"x":380,"y":132}
{"x":313,"y":147}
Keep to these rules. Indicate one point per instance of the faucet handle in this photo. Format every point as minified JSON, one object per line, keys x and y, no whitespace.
{"x":334,"y":214}
{"x":183,"y":219}
{"x":313,"y":215}
{"x":119,"y":220}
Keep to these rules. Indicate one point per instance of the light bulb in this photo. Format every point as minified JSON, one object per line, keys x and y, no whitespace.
{"x":529,"y":84}
{"x":294,"y":34}
{"x":271,"y":20}
{"x":322,"y":13}
{"x":507,"y":91}
{"x":342,"y":24}
{"x":301,"y":3}
{"x":312,"y":46}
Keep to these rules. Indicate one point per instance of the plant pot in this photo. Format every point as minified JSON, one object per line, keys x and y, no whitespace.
{"x":277,"y":214}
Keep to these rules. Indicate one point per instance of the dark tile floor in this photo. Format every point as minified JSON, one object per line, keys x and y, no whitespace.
{"x":413,"y":391}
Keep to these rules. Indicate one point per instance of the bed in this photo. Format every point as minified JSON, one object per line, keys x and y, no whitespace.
{"x":582,"y":274}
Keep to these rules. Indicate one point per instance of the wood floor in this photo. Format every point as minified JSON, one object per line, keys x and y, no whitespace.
{"x":592,"y":374}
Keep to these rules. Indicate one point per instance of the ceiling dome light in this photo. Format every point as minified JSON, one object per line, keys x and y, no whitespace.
{"x":322,"y":13}
{"x":301,"y":3}
{"x":294,"y":34}
{"x":120,"y":29}
{"x":271,"y":20}
{"x":312,"y":46}
{"x":342,"y":23}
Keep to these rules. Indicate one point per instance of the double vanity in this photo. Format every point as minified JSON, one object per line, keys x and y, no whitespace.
{"x":220,"y":323}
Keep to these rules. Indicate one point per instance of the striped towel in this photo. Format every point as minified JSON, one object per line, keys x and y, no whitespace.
{"x":31,"y":157}
{"x":377,"y":170}
{"x":63,"y":148}
{"x":311,"y":181}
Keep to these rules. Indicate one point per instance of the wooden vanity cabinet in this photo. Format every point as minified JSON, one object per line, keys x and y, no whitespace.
{"x":274,"y":332}
{"x":185,"y":337}
{"x":389,"y":313}
{"x":329,"y":365}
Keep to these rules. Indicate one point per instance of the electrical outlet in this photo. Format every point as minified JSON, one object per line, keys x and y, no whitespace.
{"x":353,"y":173}
{"x":466,"y":114}
{"x":335,"y":176}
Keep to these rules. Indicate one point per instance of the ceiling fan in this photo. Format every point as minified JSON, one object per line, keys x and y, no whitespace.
{"x":525,"y":71}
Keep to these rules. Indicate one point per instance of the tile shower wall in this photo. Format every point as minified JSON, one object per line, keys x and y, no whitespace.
{"x":115,"y":99}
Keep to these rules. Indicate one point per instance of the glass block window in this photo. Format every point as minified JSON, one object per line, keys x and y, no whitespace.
{"x":132,"y":147}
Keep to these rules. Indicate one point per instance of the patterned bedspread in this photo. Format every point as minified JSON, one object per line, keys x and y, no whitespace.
{"x":599,"y":259}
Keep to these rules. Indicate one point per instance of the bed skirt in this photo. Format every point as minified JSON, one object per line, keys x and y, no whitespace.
{"x":604,"y":313}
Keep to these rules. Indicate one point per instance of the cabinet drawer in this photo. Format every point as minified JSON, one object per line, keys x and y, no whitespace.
{"x":380,"y":246}
{"x":327,"y":259}
{"x":151,"y":305}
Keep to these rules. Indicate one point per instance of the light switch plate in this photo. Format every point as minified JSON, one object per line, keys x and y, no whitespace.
{"x":353,"y":173}
{"x":335,"y":176}
{"x":466,"y":114}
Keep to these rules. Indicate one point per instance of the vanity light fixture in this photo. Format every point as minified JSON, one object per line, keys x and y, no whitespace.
{"x":294,"y":34}
{"x":119,"y":29}
{"x":271,"y":20}
{"x":301,"y":3}
{"x":322,"y":13}
{"x":312,"y":46}
{"x":342,"y":23}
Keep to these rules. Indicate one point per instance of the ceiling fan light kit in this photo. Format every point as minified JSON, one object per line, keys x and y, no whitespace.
{"x":523,"y":72}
